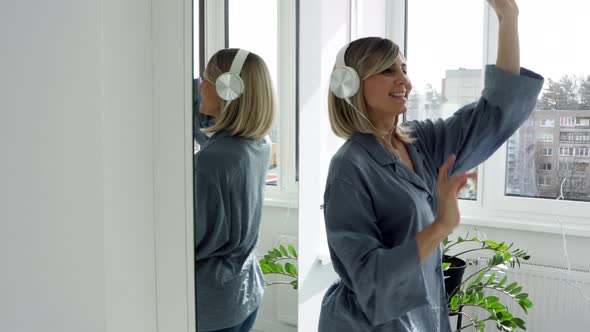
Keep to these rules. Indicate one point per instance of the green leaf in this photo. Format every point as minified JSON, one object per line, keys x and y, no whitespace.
{"x":480,"y":276}
{"x":291,"y":269}
{"x":445,"y":266}
{"x":522,"y":296}
{"x":507,"y":256}
{"x":292,"y":250}
{"x":269,"y":257}
{"x":481,"y":326}
{"x":277,"y":253}
{"x":519,"y":322}
{"x":279,"y":268}
{"x":511,"y":287}
{"x":491,"y":300}
{"x":459,"y":239}
{"x":479,"y":297}
{"x":491,"y":279}
{"x":515,"y":291}
{"x":283,"y":251}
{"x":498,"y":307}
{"x":454,"y":303}
{"x":527,"y":303}
{"x":295,"y":284}
{"x":523,"y":308}
{"x":491,"y":243}
{"x":502,"y":282}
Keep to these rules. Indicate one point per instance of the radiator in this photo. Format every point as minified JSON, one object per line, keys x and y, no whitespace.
{"x":561,"y":299}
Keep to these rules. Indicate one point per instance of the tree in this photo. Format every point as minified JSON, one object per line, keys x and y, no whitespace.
{"x":433,"y":98}
{"x":569,"y":91}
{"x":565,"y":94}
{"x":585,"y":93}
{"x":550,"y":97}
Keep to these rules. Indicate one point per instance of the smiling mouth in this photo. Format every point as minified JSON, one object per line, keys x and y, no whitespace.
{"x":397,"y":95}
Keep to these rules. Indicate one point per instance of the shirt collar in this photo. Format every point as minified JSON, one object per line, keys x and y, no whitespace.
{"x":217,"y":136}
{"x":378,"y":152}
{"x":375,"y":149}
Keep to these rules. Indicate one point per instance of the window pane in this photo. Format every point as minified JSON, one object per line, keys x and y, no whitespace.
{"x":552,"y":147}
{"x":444,"y":60}
{"x":259,"y":36}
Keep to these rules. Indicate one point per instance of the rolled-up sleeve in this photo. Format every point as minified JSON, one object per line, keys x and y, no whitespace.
{"x":387,"y":282}
{"x":478,"y":129}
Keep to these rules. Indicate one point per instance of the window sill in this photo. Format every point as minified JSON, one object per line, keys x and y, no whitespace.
{"x":540,"y":226}
{"x":570,"y":229}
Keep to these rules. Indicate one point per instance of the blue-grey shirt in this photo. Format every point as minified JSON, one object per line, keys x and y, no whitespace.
{"x":230,"y":174}
{"x":375,"y":205}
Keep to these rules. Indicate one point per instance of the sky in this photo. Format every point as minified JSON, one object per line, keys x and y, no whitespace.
{"x":449,"y":34}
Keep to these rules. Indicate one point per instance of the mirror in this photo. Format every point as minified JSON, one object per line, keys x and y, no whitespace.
{"x":245,"y":166}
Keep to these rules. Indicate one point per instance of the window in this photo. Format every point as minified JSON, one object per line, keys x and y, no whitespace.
{"x":545,"y":166}
{"x":546,"y":152}
{"x":565,"y":166}
{"x":546,"y":137}
{"x":544,"y":181}
{"x":441,"y":87}
{"x":541,"y":159}
{"x":561,"y":99}
{"x":566,"y":121}
{"x":582,"y":122}
{"x":546,"y":122}
{"x":566,"y":136}
{"x":272,"y":35}
{"x":566,"y":151}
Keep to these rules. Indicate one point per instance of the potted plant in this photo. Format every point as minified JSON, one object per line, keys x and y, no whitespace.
{"x":479,"y":289}
{"x":279,"y":262}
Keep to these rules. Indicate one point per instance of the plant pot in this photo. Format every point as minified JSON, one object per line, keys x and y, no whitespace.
{"x":454,"y":274}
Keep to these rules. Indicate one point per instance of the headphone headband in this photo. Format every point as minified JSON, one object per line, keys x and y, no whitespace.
{"x":340,"y":57}
{"x":238,"y":62}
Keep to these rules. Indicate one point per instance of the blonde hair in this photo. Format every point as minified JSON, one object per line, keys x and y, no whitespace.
{"x":252,"y":114}
{"x":368,"y":56}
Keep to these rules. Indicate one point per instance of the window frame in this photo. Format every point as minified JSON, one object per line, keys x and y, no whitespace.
{"x":495,"y":209}
{"x":285,"y":193}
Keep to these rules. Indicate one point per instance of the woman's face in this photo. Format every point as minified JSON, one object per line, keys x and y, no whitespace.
{"x":387,"y":92}
{"x":210,"y":101}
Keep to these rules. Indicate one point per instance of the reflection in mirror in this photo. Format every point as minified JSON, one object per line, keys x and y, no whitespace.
{"x":230,"y":175}
{"x":243,"y":157}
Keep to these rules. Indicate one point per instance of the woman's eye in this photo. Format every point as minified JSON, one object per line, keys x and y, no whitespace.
{"x":387,"y":71}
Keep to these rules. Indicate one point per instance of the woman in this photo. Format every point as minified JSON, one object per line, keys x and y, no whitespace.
{"x":230,"y":171}
{"x":390,"y":199}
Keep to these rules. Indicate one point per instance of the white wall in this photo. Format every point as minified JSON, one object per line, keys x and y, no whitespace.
{"x":76,"y":178}
{"x":328,"y":20}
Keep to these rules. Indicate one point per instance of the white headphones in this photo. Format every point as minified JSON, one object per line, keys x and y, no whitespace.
{"x":344,"y":81}
{"x":229,"y":85}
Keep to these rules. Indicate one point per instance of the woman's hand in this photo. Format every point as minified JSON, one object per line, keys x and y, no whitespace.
{"x":505,"y":9}
{"x":447,"y":189}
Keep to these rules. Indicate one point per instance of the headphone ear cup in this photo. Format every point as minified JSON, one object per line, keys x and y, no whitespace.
{"x":229,"y":86}
{"x":344,"y":82}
